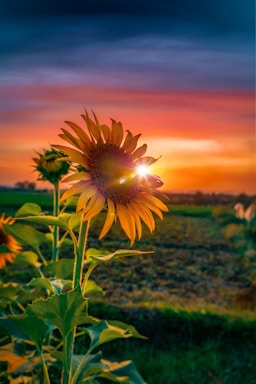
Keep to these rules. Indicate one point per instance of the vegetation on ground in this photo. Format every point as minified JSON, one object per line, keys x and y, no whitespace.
{"x":194,"y":297}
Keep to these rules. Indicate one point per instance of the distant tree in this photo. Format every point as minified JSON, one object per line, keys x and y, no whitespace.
{"x":25,"y":185}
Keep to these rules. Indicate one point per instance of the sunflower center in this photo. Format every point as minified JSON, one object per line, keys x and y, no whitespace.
{"x":113,"y":173}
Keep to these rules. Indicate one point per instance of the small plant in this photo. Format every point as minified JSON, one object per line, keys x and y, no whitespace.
{"x":43,"y":319}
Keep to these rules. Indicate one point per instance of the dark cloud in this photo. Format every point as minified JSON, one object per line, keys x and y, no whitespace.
{"x":215,"y":16}
{"x":166,"y":44}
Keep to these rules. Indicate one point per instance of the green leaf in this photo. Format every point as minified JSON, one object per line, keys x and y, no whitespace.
{"x":90,"y":365}
{"x":65,"y":311}
{"x":92,"y":288}
{"x":92,"y":253}
{"x":53,"y":285}
{"x":74,"y":221}
{"x":26,"y":327}
{"x":125,"y":369}
{"x":106,"y":331}
{"x":28,"y":209}
{"x":102,"y":256}
{"x":60,"y":221}
{"x":41,"y":282}
{"x":9,"y":291}
{"x":26,"y":235}
{"x":27,"y":257}
{"x":62,"y":269}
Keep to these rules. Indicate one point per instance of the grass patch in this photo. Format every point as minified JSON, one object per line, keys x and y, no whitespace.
{"x":191,"y":210}
{"x":185,"y":347}
{"x":14,"y":199}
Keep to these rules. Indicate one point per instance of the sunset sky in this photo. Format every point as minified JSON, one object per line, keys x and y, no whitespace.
{"x":179,"y":72}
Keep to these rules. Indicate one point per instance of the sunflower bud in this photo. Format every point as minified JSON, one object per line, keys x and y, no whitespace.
{"x":51,"y":166}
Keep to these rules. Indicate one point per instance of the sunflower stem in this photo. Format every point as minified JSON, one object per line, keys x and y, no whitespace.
{"x":80,"y":252}
{"x":77,"y":282}
{"x":56,"y":230}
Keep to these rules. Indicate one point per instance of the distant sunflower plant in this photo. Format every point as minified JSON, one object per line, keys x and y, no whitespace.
{"x":50,"y":169}
{"x":109,"y":174}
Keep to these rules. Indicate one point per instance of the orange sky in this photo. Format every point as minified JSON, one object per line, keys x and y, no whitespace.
{"x":206,"y":140}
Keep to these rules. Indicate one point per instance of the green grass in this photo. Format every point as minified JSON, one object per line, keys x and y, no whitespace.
{"x":191,"y":210}
{"x":12,"y":199}
{"x":185,"y":347}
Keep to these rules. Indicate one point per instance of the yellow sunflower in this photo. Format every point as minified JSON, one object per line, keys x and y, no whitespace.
{"x":9,"y":242}
{"x":108,"y":174}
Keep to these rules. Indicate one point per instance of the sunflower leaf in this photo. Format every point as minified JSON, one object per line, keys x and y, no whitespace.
{"x":62,"y":269}
{"x":9,"y":291}
{"x":65,"y":311}
{"x":41,"y":282}
{"x":19,"y":326}
{"x":105,"y":331}
{"x":74,"y":221}
{"x":101,"y":256}
{"x":60,"y":221}
{"x":28,"y":209}
{"x":25,"y":234}
{"x":27,"y":257}
{"x":125,"y":369}
{"x":92,"y":288}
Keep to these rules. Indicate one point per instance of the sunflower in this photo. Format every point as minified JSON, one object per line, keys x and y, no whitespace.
{"x":9,"y":242}
{"x":49,"y":167}
{"x":108,"y":174}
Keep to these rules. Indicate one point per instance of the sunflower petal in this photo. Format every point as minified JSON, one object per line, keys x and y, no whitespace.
{"x":145,"y":215}
{"x":153,"y":181}
{"x":133,"y":143}
{"x":73,"y":190}
{"x":138,"y":224}
{"x":153,"y":208}
{"x":95,"y":206}
{"x":75,"y":155}
{"x":92,"y":128}
{"x":105,"y":132}
{"x":110,"y":217}
{"x":77,"y":176}
{"x":79,"y":131}
{"x":76,"y":141}
{"x":127,"y":222}
{"x":158,"y":203}
{"x":139,"y":151}
{"x":146,"y":160}
{"x":117,"y":133}
{"x":66,"y":135}
{"x":89,"y":191}
{"x":127,"y":141}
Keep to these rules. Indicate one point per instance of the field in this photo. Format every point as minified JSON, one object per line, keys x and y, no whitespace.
{"x":194,"y":297}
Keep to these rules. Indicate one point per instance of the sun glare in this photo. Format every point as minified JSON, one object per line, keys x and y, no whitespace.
{"x":142,"y":170}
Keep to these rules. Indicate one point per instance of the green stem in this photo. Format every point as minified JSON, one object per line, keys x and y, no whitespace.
{"x":80,"y":252}
{"x":68,"y":345}
{"x":77,"y":281}
{"x":86,"y":277}
{"x":56,"y":229}
{"x":42,"y":257}
{"x":45,"y":370}
{"x":80,"y":367}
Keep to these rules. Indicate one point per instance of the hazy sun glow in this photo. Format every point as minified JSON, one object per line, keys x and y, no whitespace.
{"x":142,"y":170}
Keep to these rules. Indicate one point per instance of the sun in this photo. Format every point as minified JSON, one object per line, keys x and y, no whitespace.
{"x":142,"y":170}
